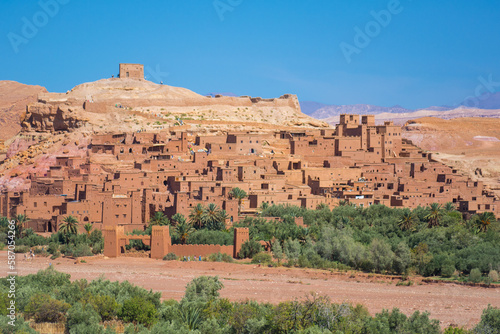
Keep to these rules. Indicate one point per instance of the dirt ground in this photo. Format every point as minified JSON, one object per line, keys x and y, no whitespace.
{"x":449,"y":303}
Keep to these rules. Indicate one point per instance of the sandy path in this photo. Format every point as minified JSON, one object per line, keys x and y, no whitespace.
{"x":450,"y":303}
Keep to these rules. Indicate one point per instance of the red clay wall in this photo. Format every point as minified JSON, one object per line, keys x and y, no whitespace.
{"x":197,"y":250}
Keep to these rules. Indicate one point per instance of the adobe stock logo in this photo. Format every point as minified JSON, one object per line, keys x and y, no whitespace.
{"x":373,"y":28}
{"x":483,"y":90}
{"x":223,"y":6}
{"x":30,"y":28}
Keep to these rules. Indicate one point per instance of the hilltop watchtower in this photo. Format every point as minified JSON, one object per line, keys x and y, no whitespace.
{"x":132,"y":71}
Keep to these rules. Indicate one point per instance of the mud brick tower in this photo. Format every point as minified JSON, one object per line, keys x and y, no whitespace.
{"x":132,"y":71}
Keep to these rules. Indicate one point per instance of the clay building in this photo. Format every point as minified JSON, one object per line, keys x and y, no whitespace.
{"x":131,"y":71}
{"x":172,"y":171}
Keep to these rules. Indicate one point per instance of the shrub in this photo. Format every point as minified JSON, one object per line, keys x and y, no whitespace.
{"x":490,"y":321}
{"x":83,"y":318}
{"x":447,"y":270}
{"x":43,"y":308}
{"x":80,"y":250}
{"x":105,"y":306}
{"x":97,"y":247}
{"x":475,"y":276}
{"x":203,"y":288}
{"x":40,"y":252}
{"x":170,"y":257}
{"x":220,"y":257}
{"x":139,"y":311}
{"x":20,"y":327}
{"x":22,"y":249}
{"x":493,"y":275}
{"x":262,"y":258}
{"x":53,"y":248}
{"x":249,"y":249}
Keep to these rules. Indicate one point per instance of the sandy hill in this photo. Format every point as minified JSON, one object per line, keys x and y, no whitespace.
{"x":470,"y":144}
{"x":119,"y":104}
{"x":14,"y":97}
{"x":402,"y":118}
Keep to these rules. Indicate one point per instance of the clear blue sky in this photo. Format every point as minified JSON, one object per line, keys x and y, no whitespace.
{"x":426,"y":53}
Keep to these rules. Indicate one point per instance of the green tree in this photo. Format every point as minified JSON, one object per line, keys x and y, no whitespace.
{"x":435,"y":214}
{"x":183,"y":230}
{"x":69,"y":226}
{"x":43,"y":308}
{"x":139,"y":311}
{"x":490,"y":321}
{"x":277,"y":251}
{"x":406,"y":221}
{"x":238,"y":194}
{"x":214,"y":218}
{"x":203,"y":289}
{"x":484,"y":221}
{"x":158,"y":219}
{"x":249,"y":249}
{"x":21,"y":221}
{"x":196,"y":216}
{"x":449,"y":207}
{"x":178,"y":219}
{"x":88,"y":228}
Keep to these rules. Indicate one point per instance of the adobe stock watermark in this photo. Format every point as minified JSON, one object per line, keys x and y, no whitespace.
{"x":373,"y":28}
{"x":223,"y":6}
{"x":155,"y":74}
{"x":482,"y":91}
{"x":31,"y":27}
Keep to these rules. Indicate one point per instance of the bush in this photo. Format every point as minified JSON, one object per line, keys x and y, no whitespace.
{"x":490,"y":321}
{"x":203,"y":288}
{"x":43,"y":308}
{"x":79,"y":250}
{"x":105,"y":306}
{"x":139,"y":311}
{"x":209,"y":237}
{"x":220,"y":257}
{"x":447,"y":270}
{"x":170,"y":257}
{"x":22,"y":249}
{"x":493,"y":276}
{"x":82,"y":319}
{"x":20,"y":327}
{"x":249,"y":249}
{"x":475,"y":276}
{"x":262,"y":258}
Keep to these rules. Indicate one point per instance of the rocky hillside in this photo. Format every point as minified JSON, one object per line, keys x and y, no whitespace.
{"x":471,"y":145}
{"x":14,"y":97}
{"x":62,"y":123}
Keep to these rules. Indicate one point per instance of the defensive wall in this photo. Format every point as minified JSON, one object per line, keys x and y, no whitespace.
{"x":115,"y":241}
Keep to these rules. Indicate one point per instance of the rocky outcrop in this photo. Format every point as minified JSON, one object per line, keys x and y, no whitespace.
{"x":49,"y":118}
{"x":14,"y":97}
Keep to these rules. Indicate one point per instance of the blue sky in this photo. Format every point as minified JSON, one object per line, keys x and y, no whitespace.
{"x":418,"y":53}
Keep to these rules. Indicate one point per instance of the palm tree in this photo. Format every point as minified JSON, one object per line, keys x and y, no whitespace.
{"x":159,"y":219}
{"x":449,"y":207}
{"x":484,"y":221}
{"x":239,"y":194}
{"x":4,"y":222}
{"x":322,"y":206}
{"x":212,"y":217}
{"x":434,"y":215}
{"x":184,"y":229}
{"x":69,"y":226}
{"x":196,"y":216}
{"x":21,"y":221}
{"x":178,"y":219}
{"x":406,"y":220}
{"x":88,"y":228}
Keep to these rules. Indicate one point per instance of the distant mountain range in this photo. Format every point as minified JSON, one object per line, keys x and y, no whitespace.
{"x":323,"y":111}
